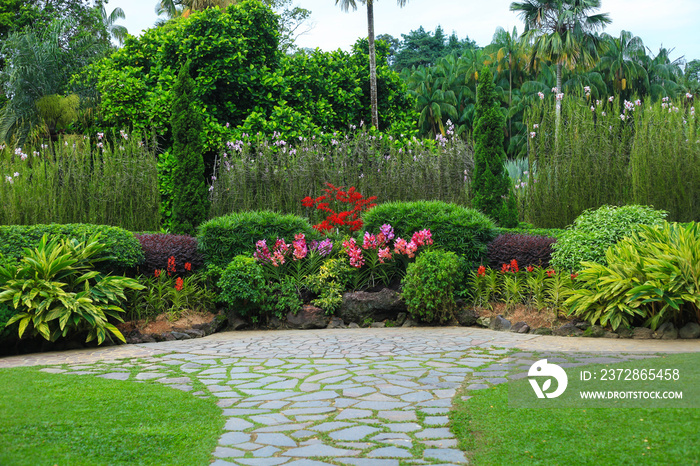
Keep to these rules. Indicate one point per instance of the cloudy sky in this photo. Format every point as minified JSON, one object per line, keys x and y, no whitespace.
{"x":671,"y":23}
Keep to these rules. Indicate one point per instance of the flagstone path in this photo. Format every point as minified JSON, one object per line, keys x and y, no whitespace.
{"x":374,"y":397}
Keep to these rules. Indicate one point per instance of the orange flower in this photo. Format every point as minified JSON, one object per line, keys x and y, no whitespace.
{"x":157,"y":273}
{"x":188,"y":266}
{"x":481,"y":271}
{"x":178,"y":284}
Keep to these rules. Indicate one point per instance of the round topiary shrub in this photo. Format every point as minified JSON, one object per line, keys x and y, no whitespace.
{"x":466,"y":232}
{"x":594,"y":231}
{"x":223,"y":238}
{"x":429,"y":286}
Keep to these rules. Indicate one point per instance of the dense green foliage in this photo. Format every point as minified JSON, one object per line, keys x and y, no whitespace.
{"x":430,"y":284}
{"x":58,"y":293}
{"x":277,"y":173}
{"x":650,"y":278}
{"x":421,"y":48}
{"x":65,"y":414}
{"x":75,"y":181}
{"x":189,"y":202}
{"x":594,"y":231}
{"x":123,"y":249}
{"x":463,"y":231}
{"x":491,"y":192}
{"x":612,"y":153}
{"x":223,"y":238}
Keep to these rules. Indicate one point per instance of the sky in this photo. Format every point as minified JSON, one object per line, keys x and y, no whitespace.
{"x":675,"y":24}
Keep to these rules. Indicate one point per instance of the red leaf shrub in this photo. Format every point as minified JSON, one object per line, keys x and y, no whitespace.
{"x":159,"y":248}
{"x":525,"y":249}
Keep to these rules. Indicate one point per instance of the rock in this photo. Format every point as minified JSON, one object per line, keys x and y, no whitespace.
{"x":568,"y":330}
{"x":500,"y":323}
{"x":353,"y":325}
{"x":582,"y":325}
{"x":409,"y":323}
{"x":483,"y":321}
{"x":147,"y":339}
{"x":336,"y":322}
{"x":401,"y":318}
{"x":236,"y":323}
{"x":542,"y":331}
{"x":466,"y":316}
{"x":611,"y":335}
{"x":666,"y":331}
{"x":642,"y":333}
{"x":277,"y":323}
{"x":308,"y":317}
{"x":194,"y":332}
{"x":624,"y":332}
{"x":378,"y":325}
{"x":594,"y":331}
{"x":360,"y":306}
{"x":167,"y":336}
{"x":520,"y":327}
{"x":690,"y":330}
{"x":180,"y":335}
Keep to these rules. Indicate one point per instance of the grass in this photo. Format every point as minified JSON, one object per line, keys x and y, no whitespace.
{"x":75,"y":419}
{"x":491,"y":432}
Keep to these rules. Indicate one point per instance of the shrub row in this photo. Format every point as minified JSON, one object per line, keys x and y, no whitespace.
{"x":526,"y":249}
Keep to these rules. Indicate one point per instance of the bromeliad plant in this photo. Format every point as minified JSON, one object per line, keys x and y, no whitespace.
{"x":57,"y":292}
{"x":347,"y":221}
{"x":651,"y":277}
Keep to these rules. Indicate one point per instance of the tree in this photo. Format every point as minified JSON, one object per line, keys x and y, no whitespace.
{"x":345,"y":6}
{"x":189,"y":207}
{"x":491,"y":192}
{"x":420,"y":48}
{"x":114,"y":30}
{"x":40,"y":62}
{"x":621,"y":63}
{"x":562,"y":31}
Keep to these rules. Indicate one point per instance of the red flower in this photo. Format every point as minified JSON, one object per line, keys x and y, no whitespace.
{"x":574,"y":275}
{"x":505,"y":268}
{"x":178,"y":284}
{"x":529,"y":268}
{"x":308,"y":201}
{"x":514,"y":266}
{"x":188,"y":266}
{"x":551,"y":273}
{"x":157,"y":273}
{"x":481,"y":271}
{"x":171,"y":265}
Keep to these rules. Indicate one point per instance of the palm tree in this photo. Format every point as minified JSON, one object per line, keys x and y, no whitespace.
{"x":114,"y":30}
{"x":621,"y":64}
{"x":345,"y":6}
{"x":434,"y":103}
{"x":175,"y":8}
{"x":562,"y":31}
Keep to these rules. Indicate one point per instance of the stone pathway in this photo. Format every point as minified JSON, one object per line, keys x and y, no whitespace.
{"x":375,"y":397}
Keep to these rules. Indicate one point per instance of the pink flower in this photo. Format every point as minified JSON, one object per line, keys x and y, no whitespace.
{"x":422,"y":238}
{"x":299,"y":244}
{"x":370,"y":241}
{"x":384,"y":254}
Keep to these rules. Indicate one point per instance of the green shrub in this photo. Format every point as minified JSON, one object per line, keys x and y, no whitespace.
{"x":244,"y":288}
{"x":429,"y":286}
{"x":58,"y":293}
{"x":651,"y":277}
{"x":594,"y":231}
{"x":527,"y":229}
{"x":223,"y":238}
{"x":466,"y":232}
{"x":331,"y":281}
{"x":122,"y":247}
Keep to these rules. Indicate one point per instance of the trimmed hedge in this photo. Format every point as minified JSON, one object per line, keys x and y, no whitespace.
{"x":223,"y":238}
{"x":122,"y":245}
{"x":594,"y":231}
{"x":526,"y":249}
{"x":466,"y":232}
{"x":549,"y":232}
{"x":158,"y":248}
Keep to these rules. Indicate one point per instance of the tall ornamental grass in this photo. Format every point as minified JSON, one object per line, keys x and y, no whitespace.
{"x":612,"y":153}
{"x":78,"y":182}
{"x":273,"y":174}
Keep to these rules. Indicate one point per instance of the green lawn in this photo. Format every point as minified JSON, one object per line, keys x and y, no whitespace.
{"x":58,"y":419}
{"x":493,"y":433}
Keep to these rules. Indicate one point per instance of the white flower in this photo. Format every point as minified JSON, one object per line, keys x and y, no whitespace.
{"x":532,"y":134}
{"x":689,"y":95}
{"x":16,"y":174}
{"x":536,"y":125}
{"x":541,"y":95}
{"x":611,"y":98}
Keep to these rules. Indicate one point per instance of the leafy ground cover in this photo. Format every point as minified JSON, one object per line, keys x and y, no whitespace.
{"x":494,"y":433}
{"x":75,"y":419}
